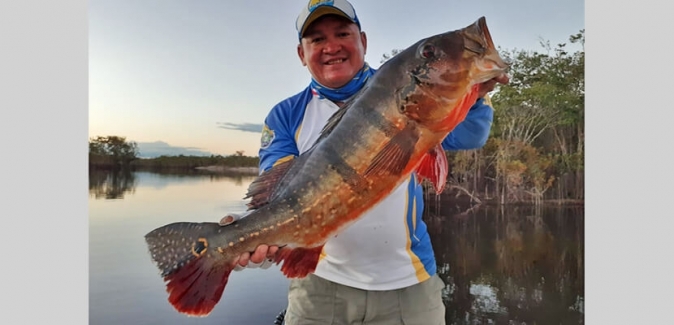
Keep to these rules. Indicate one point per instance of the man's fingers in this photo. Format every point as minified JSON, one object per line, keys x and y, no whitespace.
{"x":259,"y":254}
{"x":271,"y":253}
{"x":236,"y":261}
{"x":486,"y":87}
{"x":232,"y":217}
{"x":243,"y":259}
{"x":489,"y":85}
{"x":229,"y":219}
{"x":502,"y":79}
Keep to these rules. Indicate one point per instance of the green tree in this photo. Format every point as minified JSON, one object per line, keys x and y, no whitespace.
{"x":543,"y":108}
{"x":112,"y":151}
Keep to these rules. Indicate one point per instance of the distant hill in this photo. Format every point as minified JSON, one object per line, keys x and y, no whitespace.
{"x":160,"y":148}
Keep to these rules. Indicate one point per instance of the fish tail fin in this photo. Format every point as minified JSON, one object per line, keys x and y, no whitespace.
{"x":298,"y":262}
{"x":195,"y":274}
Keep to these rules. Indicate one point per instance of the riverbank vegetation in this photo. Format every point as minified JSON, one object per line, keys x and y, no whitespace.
{"x":116,"y":153}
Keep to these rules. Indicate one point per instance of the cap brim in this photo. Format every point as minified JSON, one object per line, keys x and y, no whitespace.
{"x":320,"y":12}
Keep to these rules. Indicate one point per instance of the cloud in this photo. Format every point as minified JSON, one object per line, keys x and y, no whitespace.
{"x":245,"y":127}
{"x":160,"y":148}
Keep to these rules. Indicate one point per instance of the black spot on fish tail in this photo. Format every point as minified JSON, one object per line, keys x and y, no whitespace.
{"x":174,"y":245}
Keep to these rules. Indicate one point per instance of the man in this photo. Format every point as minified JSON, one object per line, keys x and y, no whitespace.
{"x":381,"y":270}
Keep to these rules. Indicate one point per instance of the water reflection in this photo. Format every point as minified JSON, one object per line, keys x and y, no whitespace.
{"x":505,"y":265}
{"x":105,"y":184}
{"x":108,"y":184}
{"x":196,"y":174}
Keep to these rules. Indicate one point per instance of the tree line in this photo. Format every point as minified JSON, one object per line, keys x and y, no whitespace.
{"x":111,"y":152}
{"x":116,"y":153}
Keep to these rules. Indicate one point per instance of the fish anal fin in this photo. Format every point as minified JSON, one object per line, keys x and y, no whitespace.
{"x":395,"y":155}
{"x":298,"y":262}
{"x":264,"y":186}
{"x":434,"y":167}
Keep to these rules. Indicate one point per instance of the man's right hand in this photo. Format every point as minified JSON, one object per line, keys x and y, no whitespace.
{"x":257,"y":258}
{"x":251,"y":259}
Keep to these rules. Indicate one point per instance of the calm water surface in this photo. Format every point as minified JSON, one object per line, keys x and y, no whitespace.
{"x":516,"y":265}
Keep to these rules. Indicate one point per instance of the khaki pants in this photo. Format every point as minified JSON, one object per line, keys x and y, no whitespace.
{"x":316,"y":301}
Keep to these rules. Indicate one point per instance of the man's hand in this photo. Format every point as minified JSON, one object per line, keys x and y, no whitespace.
{"x":256,"y":259}
{"x":253,"y":259}
{"x":490,"y":84}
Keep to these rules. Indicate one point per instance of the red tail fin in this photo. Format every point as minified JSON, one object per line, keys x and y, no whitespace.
{"x":196,"y":288}
{"x":196,"y":274}
{"x":298,"y":262}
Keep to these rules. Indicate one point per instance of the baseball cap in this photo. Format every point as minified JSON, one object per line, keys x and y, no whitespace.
{"x":317,"y":8}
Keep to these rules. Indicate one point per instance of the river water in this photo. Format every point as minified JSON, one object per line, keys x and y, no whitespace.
{"x":502,"y":265}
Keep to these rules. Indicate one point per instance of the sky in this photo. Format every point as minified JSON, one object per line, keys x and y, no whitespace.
{"x":199,"y":77}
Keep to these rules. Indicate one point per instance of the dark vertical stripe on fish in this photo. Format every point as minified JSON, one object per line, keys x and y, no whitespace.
{"x":376,"y":119}
{"x":356,"y":182}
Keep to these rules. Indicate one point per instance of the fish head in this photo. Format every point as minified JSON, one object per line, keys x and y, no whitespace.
{"x":480,"y":53}
{"x":440,"y":74}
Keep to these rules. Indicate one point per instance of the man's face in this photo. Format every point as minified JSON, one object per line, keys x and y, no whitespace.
{"x":333,"y":49}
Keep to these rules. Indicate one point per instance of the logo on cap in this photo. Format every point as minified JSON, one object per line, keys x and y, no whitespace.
{"x":315,"y":3}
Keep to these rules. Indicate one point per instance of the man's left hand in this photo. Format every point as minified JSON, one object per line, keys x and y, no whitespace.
{"x":490,"y":84}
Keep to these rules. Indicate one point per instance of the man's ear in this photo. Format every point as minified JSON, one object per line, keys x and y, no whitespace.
{"x":363,"y":40}
{"x":300,"y":53}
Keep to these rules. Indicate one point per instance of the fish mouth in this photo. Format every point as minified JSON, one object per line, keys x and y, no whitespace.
{"x":490,"y":64}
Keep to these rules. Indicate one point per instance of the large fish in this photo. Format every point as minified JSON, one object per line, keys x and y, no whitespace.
{"x":391,"y":128}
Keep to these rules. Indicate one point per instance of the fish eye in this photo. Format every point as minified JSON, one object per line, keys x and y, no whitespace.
{"x":427,"y":51}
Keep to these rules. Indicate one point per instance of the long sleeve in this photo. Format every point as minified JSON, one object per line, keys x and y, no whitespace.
{"x":473,"y":132}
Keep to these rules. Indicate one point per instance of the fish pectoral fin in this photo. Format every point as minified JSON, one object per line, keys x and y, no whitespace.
{"x":395,"y":155}
{"x":264,"y":186}
{"x":298,"y":262}
{"x":434,"y":167}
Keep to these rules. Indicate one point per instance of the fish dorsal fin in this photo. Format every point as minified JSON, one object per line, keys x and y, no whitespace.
{"x":263,"y":188}
{"x":434,"y":167}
